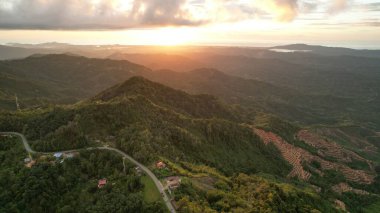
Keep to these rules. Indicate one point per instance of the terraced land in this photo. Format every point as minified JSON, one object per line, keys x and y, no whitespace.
{"x":298,"y":157}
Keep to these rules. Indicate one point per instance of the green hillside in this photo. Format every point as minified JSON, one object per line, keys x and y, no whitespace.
{"x":200,"y":137}
{"x":151,"y":121}
{"x":52,"y":185}
{"x":50,"y":79}
{"x":288,"y":103}
{"x":59,"y":78}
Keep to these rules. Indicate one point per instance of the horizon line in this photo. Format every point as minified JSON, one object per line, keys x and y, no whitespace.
{"x":253,"y":45}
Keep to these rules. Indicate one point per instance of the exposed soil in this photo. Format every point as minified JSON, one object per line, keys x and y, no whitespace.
{"x":344,"y":187}
{"x":330,"y":148}
{"x":290,"y":153}
{"x":297,"y":156}
{"x":355,"y":140}
{"x":340,"y":205}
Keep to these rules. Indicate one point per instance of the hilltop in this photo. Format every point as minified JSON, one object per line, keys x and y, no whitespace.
{"x":164,"y":122}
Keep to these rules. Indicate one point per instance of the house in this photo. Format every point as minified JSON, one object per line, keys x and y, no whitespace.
{"x":160,"y":165}
{"x":69,"y":154}
{"x":30,"y":164}
{"x":58,"y":154}
{"x":173,"y":182}
{"x":138,"y":170}
{"x":102,"y":183}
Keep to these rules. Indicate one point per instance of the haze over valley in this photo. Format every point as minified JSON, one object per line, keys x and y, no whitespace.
{"x":189,"y":106}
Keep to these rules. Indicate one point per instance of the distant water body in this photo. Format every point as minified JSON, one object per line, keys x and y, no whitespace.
{"x":288,"y":51}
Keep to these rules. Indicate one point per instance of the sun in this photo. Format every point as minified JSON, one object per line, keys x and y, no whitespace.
{"x":169,"y":36}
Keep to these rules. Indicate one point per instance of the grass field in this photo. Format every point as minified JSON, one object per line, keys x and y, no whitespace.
{"x":151,"y":193}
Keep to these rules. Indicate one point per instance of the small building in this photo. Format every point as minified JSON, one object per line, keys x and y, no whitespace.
{"x":160,"y":165}
{"x":69,"y":154}
{"x":173,"y":182}
{"x":58,"y":154}
{"x":102,"y":183}
{"x":138,"y":170}
{"x":27,"y":160}
{"x":30,"y":164}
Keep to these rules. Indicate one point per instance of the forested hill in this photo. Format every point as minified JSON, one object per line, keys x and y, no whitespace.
{"x":200,"y":138}
{"x":60,"y":78}
{"x":205,"y":106}
{"x":288,"y":103}
{"x":55,"y":79}
{"x":149,"y":121}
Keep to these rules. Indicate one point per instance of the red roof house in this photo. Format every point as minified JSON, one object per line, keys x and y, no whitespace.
{"x":173,"y":182}
{"x":160,"y":165}
{"x":102,"y":182}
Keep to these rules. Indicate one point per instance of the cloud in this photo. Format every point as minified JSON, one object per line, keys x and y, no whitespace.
{"x":162,"y":12}
{"x":308,"y":7}
{"x":283,"y":10}
{"x":338,"y":6}
{"x":372,"y":7}
{"x":93,"y":14}
{"x":124,"y":14}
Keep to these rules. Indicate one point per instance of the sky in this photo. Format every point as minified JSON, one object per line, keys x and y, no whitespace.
{"x":350,"y":23}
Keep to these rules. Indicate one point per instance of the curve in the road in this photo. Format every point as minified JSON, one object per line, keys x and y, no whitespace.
{"x":147,"y":171}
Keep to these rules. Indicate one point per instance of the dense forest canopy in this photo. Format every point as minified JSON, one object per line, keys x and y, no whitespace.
{"x":51,"y":185}
{"x":269,"y":132}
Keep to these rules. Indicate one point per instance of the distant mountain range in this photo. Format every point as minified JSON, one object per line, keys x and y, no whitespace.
{"x":330,"y":51}
{"x":301,"y":95}
{"x":16,"y":50}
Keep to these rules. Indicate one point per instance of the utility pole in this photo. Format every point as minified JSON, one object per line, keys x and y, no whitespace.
{"x":17,"y":104}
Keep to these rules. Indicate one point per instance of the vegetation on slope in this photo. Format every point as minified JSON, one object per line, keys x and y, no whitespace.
{"x":334,"y":94}
{"x":150,"y":121}
{"x":169,"y":123}
{"x":204,"y":189}
{"x":50,"y":186}
{"x":60,"y":78}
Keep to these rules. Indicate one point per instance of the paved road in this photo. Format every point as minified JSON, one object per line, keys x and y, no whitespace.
{"x":24,"y":141}
{"x":158,"y":184}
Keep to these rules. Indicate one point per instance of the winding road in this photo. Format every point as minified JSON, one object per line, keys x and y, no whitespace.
{"x":147,"y":171}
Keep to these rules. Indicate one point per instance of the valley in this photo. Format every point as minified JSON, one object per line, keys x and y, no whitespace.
{"x":230,"y":142}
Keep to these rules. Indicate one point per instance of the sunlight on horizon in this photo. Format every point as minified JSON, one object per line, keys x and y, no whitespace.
{"x":189,"y":22}
{"x":168,"y":37}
